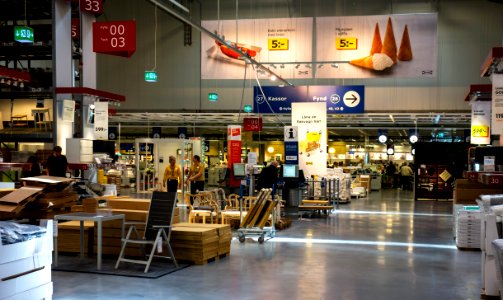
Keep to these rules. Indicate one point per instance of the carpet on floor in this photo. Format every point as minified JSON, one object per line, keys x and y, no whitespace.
{"x":158,"y":267}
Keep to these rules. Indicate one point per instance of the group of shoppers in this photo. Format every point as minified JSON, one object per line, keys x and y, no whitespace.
{"x":401,"y":177}
{"x":172,"y":179}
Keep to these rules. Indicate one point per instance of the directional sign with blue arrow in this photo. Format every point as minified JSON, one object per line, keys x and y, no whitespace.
{"x":340,"y":99}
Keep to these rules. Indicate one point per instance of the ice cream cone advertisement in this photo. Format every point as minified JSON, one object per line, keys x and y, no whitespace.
{"x":311,"y":120}
{"x":378,"y":46}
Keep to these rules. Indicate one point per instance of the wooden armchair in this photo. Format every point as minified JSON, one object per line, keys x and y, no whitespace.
{"x":204,"y":206}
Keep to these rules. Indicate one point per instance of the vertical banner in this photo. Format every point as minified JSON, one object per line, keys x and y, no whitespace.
{"x":291,"y":139}
{"x":68,"y":110}
{"x":311,"y":120}
{"x":101,"y":120}
{"x":233,"y":151}
{"x":497,"y":104}
{"x":481,"y":120}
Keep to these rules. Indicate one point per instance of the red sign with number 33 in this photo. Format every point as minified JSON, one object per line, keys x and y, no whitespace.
{"x":91,"y":6}
{"x":115,"y":38}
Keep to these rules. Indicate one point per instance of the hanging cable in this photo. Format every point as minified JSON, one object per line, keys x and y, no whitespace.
{"x":242,"y":94}
{"x":265,"y":98}
{"x":155,"y":37}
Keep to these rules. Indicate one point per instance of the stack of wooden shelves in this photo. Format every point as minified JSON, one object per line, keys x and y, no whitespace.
{"x":200,"y":243}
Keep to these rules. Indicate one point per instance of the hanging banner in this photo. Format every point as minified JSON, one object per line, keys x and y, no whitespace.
{"x":481,"y":120}
{"x":497,"y":104}
{"x":393,"y":46}
{"x":68,"y":110}
{"x":101,"y":120}
{"x":233,"y":151}
{"x":311,"y":120}
{"x":278,"y":41}
{"x":291,"y":139}
{"x":234,"y":133}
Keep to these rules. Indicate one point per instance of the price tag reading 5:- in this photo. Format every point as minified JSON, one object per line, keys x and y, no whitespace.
{"x":278,"y":44}
{"x":346,"y":43}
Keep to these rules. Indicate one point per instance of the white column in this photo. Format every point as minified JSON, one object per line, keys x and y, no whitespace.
{"x":62,"y":67}
{"x":88,"y":75}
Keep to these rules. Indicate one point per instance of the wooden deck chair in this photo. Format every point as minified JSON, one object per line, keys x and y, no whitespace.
{"x":157,"y":229}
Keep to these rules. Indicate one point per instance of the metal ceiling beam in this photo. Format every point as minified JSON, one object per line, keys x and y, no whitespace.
{"x":216,"y":37}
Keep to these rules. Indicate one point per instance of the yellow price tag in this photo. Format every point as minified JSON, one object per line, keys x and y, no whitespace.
{"x":278,"y":44}
{"x":346,"y":43}
{"x":480,"y":131}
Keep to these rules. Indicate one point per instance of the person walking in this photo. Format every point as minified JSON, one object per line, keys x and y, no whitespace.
{"x":196,"y":175}
{"x":172,"y":176}
{"x":269,"y":175}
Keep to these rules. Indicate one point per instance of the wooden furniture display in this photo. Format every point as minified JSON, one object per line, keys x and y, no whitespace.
{"x":42,"y":117}
{"x":204,"y":206}
{"x":19,"y":120}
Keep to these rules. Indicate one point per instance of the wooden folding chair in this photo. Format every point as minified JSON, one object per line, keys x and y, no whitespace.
{"x":157,"y":229}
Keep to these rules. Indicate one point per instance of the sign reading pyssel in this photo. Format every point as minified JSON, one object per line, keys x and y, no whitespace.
{"x":115,"y":38}
{"x":340,"y":99}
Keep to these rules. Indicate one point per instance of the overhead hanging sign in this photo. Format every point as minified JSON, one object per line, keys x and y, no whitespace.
{"x":311,"y":121}
{"x":115,"y":38}
{"x":340,"y":99}
{"x":101,"y":120}
{"x":481,"y":123}
{"x":497,"y":104}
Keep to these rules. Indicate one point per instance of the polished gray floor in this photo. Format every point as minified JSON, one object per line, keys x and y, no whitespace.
{"x":384,"y":247}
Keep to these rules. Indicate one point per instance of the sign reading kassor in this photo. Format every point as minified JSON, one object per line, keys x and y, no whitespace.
{"x":115,"y":38}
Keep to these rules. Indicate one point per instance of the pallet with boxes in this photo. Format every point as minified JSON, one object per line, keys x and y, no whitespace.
{"x":200,"y":243}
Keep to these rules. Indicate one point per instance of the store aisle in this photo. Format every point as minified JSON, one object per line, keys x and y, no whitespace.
{"x":383,"y":247}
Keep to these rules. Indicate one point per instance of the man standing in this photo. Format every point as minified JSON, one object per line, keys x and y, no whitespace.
{"x":196,"y":175}
{"x":407,"y":174}
{"x":172,"y":175}
{"x":269,"y":175}
{"x":57,"y":163}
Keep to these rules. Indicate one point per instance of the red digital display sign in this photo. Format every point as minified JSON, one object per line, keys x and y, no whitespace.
{"x":75,"y":28}
{"x":115,"y":38}
{"x":91,"y":6}
{"x":252,"y":124}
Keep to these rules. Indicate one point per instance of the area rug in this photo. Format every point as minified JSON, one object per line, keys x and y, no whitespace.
{"x":158,"y":268}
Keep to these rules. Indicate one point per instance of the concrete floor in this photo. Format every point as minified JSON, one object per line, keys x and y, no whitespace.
{"x":384,"y":247}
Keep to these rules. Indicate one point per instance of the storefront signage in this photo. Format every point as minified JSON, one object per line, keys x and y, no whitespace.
{"x":252,"y":124}
{"x":91,"y":6}
{"x":234,"y":133}
{"x":311,"y":120}
{"x":481,"y":120}
{"x":115,"y":38}
{"x":339,"y":99}
{"x":497,"y":104}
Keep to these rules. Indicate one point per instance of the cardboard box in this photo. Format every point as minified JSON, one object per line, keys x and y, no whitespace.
{"x":467,"y":191}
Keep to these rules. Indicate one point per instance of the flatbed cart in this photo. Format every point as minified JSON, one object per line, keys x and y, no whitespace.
{"x":253,"y":224}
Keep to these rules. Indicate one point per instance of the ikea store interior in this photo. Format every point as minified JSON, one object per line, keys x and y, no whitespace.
{"x":251,"y":149}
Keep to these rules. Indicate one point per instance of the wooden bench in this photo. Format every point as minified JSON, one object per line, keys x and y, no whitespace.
{"x":316,"y":205}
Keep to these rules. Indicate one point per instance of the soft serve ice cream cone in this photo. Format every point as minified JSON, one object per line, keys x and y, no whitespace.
{"x":377,"y":61}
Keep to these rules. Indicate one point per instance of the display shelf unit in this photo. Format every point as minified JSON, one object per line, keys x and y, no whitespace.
{"x":430,"y":184}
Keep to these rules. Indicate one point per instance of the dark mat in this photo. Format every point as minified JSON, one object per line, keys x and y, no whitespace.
{"x":158,"y":267}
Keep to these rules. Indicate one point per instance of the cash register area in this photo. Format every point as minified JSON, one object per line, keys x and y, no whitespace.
{"x":384,"y":246}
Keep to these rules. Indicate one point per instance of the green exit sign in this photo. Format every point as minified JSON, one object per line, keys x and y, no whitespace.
{"x":213,"y":97}
{"x":150,"y":76}
{"x":248,"y":108}
{"x":23,"y":34}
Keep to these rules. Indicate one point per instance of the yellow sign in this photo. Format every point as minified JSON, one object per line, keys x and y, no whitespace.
{"x":480,"y":131}
{"x":278,"y":44}
{"x":346,"y":43}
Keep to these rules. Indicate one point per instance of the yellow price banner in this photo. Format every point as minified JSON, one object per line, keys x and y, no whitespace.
{"x":346,"y":43}
{"x":480,"y":131}
{"x":278,"y":44}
